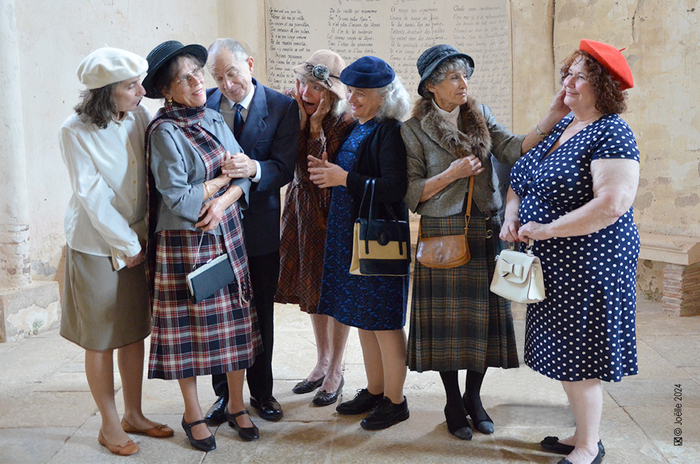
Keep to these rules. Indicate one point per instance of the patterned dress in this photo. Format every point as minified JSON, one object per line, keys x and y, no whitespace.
{"x":585,"y":328}
{"x":304,"y":219}
{"x":220,"y":333}
{"x":365,"y":302}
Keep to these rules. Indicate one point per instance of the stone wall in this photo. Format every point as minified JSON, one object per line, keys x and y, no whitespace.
{"x":661,"y":40}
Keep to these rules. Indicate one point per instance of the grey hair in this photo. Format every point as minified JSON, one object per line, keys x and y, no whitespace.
{"x":447,"y":66}
{"x":338,"y":106}
{"x":237,"y":50}
{"x":396,"y":101}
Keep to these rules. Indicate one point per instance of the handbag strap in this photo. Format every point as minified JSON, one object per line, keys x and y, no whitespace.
{"x":467,"y":214}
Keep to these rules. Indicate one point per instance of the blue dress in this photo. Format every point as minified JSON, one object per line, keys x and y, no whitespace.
{"x":585,"y":328}
{"x":365,"y":302}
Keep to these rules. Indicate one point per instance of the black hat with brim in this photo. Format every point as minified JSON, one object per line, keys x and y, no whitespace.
{"x":161,"y":55}
{"x":431,"y":59}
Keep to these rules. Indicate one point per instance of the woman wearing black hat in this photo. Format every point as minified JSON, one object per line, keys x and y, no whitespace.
{"x":197,"y":219}
{"x":456,"y":323}
{"x":375,"y":305}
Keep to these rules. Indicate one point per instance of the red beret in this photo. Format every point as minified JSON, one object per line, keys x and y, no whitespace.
{"x":611,"y":59}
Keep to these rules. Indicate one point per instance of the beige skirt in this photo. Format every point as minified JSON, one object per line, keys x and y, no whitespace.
{"x":103,"y":309}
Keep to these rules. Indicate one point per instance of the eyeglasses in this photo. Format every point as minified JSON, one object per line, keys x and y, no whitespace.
{"x":320,"y":72}
{"x":192,"y":77}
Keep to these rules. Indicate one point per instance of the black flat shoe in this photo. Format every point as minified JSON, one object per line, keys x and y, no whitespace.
{"x":553,"y":445}
{"x":307,"y":387}
{"x":364,"y":401}
{"x":268,"y":408}
{"x":480,"y":419}
{"x":205,"y":444}
{"x":385,"y":415}
{"x":457,"y":423}
{"x":215,"y":414}
{"x":246,"y":433}
{"x":324,"y":398}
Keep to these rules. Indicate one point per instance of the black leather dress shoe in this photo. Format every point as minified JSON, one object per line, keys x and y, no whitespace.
{"x":385,"y":415}
{"x":215,"y":414}
{"x":324,"y":398}
{"x":268,"y":408}
{"x":364,"y":401}
{"x":307,"y":387}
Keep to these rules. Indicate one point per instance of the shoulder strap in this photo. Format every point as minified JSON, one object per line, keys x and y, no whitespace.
{"x":467,"y":215}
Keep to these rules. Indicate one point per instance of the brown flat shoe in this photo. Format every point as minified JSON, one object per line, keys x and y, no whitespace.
{"x":159,"y":431}
{"x":126,"y":449}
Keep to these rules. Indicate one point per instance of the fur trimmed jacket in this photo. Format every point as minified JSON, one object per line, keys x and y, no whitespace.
{"x":432,"y":143}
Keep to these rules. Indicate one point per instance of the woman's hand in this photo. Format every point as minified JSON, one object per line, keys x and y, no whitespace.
{"x":465,"y":167}
{"x":303,"y":117}
{"x":323,"y":108}
{"x":534,"y":231}
{"x":133,"y":261}
{"x":557,"y":110}
{"x":211,"y":213}
{"x":326,"y":174}
{"x":509,"y":230}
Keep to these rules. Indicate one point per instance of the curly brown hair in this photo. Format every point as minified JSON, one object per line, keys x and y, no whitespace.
{"x":97,"y":106}
{"x":609,"y":98}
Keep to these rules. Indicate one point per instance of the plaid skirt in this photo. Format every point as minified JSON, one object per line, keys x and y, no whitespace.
{"x":456,"y":322}
{"x":217,"y":335}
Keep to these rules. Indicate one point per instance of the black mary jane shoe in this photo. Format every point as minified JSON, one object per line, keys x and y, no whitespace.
{"x":480,"y":419}
{"x":457,"y":423}
{"x":305,"y":386}
{"x":324,"y":398}
{"x":204,"y":444}
{"x":596,"y":460}
{"x":246,"y":433}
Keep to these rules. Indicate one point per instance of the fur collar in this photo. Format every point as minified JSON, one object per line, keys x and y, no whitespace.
{"x":476,"y":140}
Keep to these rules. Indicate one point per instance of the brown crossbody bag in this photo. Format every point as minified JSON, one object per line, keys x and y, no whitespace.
{"x":447,"y":251}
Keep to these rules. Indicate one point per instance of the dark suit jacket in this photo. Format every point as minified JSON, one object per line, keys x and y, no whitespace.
{"x":271,"y":137}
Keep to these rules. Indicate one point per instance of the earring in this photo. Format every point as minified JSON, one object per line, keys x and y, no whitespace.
{"x":170,"y":100}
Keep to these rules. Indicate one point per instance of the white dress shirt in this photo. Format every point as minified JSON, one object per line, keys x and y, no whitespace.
{"x":107,"y":171}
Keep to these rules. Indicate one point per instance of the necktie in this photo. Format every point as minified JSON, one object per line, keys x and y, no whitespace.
{"x":238,"y":120}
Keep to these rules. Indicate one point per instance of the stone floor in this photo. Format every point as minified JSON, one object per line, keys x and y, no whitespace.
{"x":48,"y":416}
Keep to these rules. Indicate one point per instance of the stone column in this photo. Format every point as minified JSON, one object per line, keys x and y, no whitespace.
{"x":26,"y":308}
{"x":15,"y":265}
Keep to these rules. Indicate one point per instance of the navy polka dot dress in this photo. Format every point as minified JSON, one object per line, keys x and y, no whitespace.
{"x":585,"y":328}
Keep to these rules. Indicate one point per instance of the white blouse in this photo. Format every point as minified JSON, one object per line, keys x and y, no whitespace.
{"x":107,"y":170}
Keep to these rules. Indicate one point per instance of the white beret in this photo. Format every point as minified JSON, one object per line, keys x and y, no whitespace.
{"x":108,"y":65}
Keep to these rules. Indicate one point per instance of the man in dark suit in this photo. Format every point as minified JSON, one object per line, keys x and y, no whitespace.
{"x":266,"y":125}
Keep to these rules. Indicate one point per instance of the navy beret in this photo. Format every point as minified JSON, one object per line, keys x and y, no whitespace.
{"x":368,"y":72}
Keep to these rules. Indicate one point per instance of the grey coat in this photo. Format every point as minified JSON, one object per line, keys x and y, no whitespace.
{"x":432,"y":144}
{"x":180,"y":173}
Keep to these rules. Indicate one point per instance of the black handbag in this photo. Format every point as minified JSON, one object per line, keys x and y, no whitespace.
{"x":207,"y":279}
{"x":381,"y":247}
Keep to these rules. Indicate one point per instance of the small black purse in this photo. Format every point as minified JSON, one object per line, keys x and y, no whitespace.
{"x":381,"y":247}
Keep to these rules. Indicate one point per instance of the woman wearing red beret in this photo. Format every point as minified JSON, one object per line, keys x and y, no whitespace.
{"x":573,"y":195}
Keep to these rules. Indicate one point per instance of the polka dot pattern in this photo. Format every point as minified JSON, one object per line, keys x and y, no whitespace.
{"x":585,"y":328}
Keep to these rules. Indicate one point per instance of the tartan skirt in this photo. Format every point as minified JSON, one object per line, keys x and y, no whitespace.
{"x":217,"y":335}
{"x":456,"y":322}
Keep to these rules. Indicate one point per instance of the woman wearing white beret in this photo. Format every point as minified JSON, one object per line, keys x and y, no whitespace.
{"x":105,"y":297}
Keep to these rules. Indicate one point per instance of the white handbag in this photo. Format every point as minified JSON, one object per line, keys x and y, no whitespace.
{"x":518,"y":276}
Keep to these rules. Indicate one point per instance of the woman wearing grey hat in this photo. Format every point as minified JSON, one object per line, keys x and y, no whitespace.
{"x":456,"y":323}
{"x":375,"y":305}
{"x":197,"y":219}
{"x":105,"y":299}
{"x":324,"y":127}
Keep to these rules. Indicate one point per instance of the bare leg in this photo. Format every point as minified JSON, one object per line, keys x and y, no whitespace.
{"x":99,"y":370}
{"x":372,"y":356}
{"x":130,"y":360}
{"x":586,"y":399}
{"x":235,"y":397}
{"x":193,"y":411}
{"x":322,"y":333}
{"x":392,"y":345}
{"x":339,"y":337}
